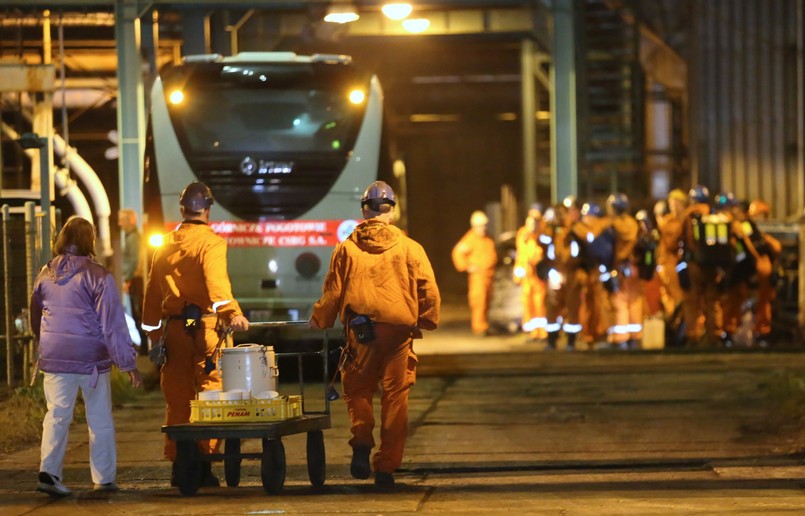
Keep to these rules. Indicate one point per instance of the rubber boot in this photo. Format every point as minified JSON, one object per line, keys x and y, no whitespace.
{"x":553,"y":336}
{"x":571,"y":341}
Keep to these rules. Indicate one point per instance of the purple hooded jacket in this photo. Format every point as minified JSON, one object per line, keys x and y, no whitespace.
{"x":77,"y":314}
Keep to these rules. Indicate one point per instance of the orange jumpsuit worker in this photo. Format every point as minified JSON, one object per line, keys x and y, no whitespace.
{"x":769,"y":249}
{"x":475,"y":254}
{"x":189,"y":270}
{"x":380,"y":275}
{"x":670,"y":228}
{"x":529,"y":254}
{"x":627,"y":300}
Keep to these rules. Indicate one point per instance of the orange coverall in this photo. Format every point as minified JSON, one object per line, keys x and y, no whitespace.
{"x":670,"y":228}
{"x":703,"y":296}
{"x":627,"y":302}
{"x":189,"y":268}
{"x":765,"y":289}
{"x":476,"y":255}
{"x":380,"y":272}
{"x":529,"y":253}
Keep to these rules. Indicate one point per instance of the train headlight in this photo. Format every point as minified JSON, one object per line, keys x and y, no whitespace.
{"x":156,"y":239}
{"x":176,"y":97}
{"x":357,"y":96}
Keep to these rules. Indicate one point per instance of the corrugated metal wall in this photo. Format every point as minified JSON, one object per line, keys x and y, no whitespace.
{"x":746,"y":100}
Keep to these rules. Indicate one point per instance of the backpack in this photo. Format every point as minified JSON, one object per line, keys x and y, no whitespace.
{"x":645,"y":254}
{"x":711,"y":240}
{"x":601,"y":250}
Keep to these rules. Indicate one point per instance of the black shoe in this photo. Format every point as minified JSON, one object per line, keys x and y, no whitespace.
{"x":208,"y":479}
{"x":52,"y":485}
{"x":384,"y":480}
{"x":360,"y":462}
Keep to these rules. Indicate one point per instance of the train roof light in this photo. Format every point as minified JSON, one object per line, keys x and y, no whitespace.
{"x":341,"y":12}
{"x":397,"y":10}
{"x":176,"y":97}
{"x":357,"y":96}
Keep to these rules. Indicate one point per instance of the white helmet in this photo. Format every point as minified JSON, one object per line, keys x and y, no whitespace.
{"x":478,"y":218}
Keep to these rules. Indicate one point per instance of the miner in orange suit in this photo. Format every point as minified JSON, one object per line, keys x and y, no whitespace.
{"x":670,"y":226}
{"x":475,"y":254}
{"x":532,"y":293}
{"x":380,"y":284}
{"x":769,"y":248}
{"x":628,"y":298}
{"x":188,"y":301}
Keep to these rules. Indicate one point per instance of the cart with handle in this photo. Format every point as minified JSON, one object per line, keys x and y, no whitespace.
{"x":272,"y":458}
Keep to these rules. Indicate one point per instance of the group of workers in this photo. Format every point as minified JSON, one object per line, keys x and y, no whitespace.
{"x":596,"y":273}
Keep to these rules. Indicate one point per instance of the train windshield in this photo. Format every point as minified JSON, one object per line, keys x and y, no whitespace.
{"x":223,"y":108}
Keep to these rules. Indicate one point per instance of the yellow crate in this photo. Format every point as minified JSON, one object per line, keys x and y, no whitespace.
{"x":239,"y":411}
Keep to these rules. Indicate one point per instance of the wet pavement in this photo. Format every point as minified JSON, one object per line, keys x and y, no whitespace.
{"x":498,"y":425}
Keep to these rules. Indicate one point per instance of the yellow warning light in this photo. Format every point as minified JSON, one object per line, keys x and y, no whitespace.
{"x":176,"y":97}
{"x":156,"y":240}
{"x":357,"y":96}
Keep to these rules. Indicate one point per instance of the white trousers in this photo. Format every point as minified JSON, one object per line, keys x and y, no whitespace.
{"x":61,"y":390}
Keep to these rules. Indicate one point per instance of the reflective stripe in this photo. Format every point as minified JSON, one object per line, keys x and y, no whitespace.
{"x":681,"y":266}
{"x":590,"y":237}
{"x":535,"y":324}
{"x":551,"y":252}
{"x":635,"y":328}
{"x":572,"y":328}
{"x":148,"y":327}
{"x":574,"y":249}
{"x":602,"y":268}
{"x":553,"y":327}
{"x":741,"y":257}
{"x":619,"y":329}
{"x":519,"y":272}
{"x":605,"y":277}
{"x":218,"y":304}
{"x":545,"y":239}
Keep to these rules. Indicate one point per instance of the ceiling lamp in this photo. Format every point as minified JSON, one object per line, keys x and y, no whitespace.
{"x":397,"y":10}
{"x":416,"y":25}
{"x":341,"y":12}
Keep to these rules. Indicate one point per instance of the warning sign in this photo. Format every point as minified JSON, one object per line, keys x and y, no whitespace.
{"x":295,"y":233}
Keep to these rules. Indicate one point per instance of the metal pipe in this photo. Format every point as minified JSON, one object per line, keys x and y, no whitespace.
{"x":63,"y":73}
{"x":7,"y":296}
{"x":30,"y":244}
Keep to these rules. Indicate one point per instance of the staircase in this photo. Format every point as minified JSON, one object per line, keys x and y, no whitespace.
{"x":610,"y":101}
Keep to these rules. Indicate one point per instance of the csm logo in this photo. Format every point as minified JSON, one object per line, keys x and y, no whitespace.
{"x":251,"y":166}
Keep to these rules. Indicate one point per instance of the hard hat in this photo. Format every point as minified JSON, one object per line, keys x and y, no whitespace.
{"x":619,"y":203}
{"x":478,"y":218}
{"x":699,"y":194}
{"x":570,"y":202}
{"x":535,"y":212}
{"x":759,"y":208}
{"x":591,"y":209}
{"x":196,"y":197}
{"x":642,"y":216}
{"x":381,"y":191}
{"x":661,"y":207}
{"x":677,"y":195}
{"x":725,"y":200}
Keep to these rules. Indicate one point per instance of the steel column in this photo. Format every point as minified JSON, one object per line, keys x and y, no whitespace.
{"x":130,"y":105}
{"x":528,"y":96}
{"x":564,"y":148}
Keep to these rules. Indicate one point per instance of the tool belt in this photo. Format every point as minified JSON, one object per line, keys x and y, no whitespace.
{"x":191,"y":317}
{"x":363,"y":327}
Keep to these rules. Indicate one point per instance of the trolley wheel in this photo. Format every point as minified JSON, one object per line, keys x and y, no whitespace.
{"x":188,"y":467}
{"x":232,"y":462}
{"x":272,"y":467}
{"x":316,"y":460}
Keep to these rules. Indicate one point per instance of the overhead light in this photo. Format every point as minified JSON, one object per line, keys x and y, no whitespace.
{"x":416,"y":25}
{"x":341,"y":12}
{"x":397,"y":10}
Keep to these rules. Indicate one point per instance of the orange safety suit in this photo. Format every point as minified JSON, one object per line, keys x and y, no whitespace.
{"x":595,"y":316}
{"x":703,"y":297}
{"x":769,"y":248}
{"x":189,"y":268}
{"x":670,"y":229}
{"x":627,"y":301}
{"x":532,"y":294}
{"x":475,"y":254}
{"x":566,"y":295}
{"x":381,"y":273}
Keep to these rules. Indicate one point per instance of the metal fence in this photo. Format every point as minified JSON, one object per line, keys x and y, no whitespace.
{"x":21,"y":257}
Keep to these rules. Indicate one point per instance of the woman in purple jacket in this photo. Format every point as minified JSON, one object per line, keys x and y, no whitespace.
{"x":77,"y":314}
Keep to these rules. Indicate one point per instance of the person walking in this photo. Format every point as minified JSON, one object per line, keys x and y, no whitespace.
{"x":188,"y":304}
{"x":77,"y":315}
{"x":532,"y":289}
{"x":475,"y":254}
{"x":381,"y":286}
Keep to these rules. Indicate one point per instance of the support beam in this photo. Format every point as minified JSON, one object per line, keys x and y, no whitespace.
{"x":564,"y":162}
{"x":130,"y":106}
{"x":528,"y":103}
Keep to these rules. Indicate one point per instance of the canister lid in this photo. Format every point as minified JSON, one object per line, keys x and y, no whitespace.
{"x":249,"y":348}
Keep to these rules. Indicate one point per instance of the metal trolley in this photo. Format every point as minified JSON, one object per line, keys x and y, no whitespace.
{"x":272,"y":458}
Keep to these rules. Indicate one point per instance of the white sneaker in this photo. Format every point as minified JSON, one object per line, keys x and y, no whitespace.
{"x":51,"y":485}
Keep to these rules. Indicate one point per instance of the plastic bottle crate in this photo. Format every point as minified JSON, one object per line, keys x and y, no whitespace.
{"x":239,"y":411}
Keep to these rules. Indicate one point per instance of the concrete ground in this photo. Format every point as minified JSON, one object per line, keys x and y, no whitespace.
{"x":497,"y":425}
